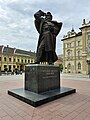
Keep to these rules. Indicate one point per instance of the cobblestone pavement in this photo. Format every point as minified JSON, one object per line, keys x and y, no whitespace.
{"x":72,"y":107}
{"x":75,"y":77}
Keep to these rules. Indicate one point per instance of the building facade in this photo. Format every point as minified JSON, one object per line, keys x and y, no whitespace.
{"x":12,"y":58}
{"x":76,"y":50}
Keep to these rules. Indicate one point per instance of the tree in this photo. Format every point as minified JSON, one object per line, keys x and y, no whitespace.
{"x":60,"y":67}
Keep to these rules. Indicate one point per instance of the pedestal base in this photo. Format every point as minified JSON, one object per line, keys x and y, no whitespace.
{"x":40,"y":78}
{"x":36,"y":99}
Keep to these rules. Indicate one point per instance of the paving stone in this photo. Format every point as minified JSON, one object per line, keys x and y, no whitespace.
{"x":72,"y":107}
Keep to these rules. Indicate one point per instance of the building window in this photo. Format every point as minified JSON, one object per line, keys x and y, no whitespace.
{"x":22,"y":61}
{"x":14,"y":60}
{"x":69,"y":54}
{"x":14,"y":66}
{"x":69,"y":66}
{"x":10,"y":68}
{"x":88,"y":37}
{"x":25,"y":61}
{"x":18,"y":60}
{"x":79,"y":66}
{"x":88,"y":48}
{"x":68,"y":45}
{"x":78,"y":54}
{"x":31,"y":61}
{"x":78,"y":43}
{"x":0,"y":58}
{"x":28,"y":61}
{"x":5,"y":68}
{"x":18,"y":67}
{"x":9,"y":59}
{"x":5,"y":59}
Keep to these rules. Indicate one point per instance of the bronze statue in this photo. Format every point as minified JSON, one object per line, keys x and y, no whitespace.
{"x":48,"y":30}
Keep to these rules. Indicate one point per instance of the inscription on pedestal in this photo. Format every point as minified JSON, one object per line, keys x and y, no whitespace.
{"x":41,"y":78}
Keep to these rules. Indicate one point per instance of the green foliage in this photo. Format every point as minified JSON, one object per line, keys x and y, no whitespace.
{"x":61,"y":67}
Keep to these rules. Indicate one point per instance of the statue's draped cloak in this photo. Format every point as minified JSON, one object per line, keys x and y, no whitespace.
{"x":49,"y":38}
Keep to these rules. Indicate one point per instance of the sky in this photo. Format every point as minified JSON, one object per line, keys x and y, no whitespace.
{"x":17,"y":27}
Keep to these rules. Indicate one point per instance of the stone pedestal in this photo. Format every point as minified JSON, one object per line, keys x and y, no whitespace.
{"x":42,"y":84}
{"x":42,"y":78}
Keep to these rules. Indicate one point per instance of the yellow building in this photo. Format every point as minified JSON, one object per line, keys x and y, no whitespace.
{"x":76,"y":50}
{"x":12,"y":58}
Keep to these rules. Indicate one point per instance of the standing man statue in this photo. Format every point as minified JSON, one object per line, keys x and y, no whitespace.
{"x":48,"y":30}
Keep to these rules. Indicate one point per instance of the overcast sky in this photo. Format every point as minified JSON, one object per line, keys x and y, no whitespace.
{"x":17,"y":22}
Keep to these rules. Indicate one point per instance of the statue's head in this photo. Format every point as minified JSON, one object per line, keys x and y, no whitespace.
{"x":48,"y":16}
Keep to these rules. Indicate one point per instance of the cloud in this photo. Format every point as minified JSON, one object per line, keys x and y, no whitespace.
{"x":17,"y":22}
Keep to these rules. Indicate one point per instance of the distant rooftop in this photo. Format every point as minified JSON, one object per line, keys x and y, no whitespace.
{"x":72,"y":33}
{"x":9,"y":50}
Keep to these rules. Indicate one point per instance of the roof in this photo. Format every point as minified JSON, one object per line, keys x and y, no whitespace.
{"x":76,"y":35}
{"x":24,"y":53}
{"x":85,"y":26}
{"x":9,"y":50}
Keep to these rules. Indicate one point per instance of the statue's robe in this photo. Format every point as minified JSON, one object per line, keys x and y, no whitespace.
{"x":49,"y":38}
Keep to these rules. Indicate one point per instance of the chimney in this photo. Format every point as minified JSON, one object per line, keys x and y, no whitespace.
{"x":2,"y":48}
{"x":84,"y":22}
{"x":14,"y":50}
